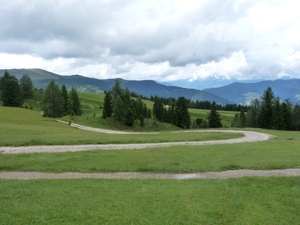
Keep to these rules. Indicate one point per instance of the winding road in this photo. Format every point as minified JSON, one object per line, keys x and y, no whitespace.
{"x":249,"y":136}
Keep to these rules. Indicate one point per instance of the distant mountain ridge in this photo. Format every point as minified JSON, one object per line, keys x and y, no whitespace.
{"x":41,"y":78}
{"x":243,"y":93}
{"x":237,"y":92}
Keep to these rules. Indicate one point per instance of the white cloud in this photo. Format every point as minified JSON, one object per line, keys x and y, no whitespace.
{"x":161,"y":40}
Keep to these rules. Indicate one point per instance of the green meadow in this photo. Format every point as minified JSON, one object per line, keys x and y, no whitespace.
{"x":28,"y":127}
{"x":90,"y":201}
{"x":274,"y":200}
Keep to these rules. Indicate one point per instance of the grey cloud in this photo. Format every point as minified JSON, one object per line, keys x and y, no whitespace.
{"x":123,"y":33}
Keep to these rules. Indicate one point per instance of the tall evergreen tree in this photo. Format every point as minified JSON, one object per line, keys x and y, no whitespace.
{"x":243,"y":119}
{"x":107,"y":107}
{"x":266,"y":113}
{"x":53,"y":102}
{"x":286,"y":107}
{"x":158,"y":109}
{"x":277,"y":116}
{"x":65,"y":97}
{"x":26,"y":86}
{"x":118,"y":109}
{"x":74,"y":103}
{"x":182,"y":113}
{"x":253,"y":113}
{"x":214,"y":119}
{"x":129,"y":117}
{"x":296,"y":118}
{"x":11,"y":94}
{"x":139,"y":107}
{"x":5,"y":77}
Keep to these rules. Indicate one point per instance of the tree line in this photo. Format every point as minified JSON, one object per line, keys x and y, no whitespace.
{"x":13,"y":92}
{"x":119,"y":105}
{"x":269,"y":113}
{"x":57,"y":101}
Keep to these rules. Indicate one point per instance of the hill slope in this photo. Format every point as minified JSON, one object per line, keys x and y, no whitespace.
{"x":243,"y":93}
{"x":41,"y":78}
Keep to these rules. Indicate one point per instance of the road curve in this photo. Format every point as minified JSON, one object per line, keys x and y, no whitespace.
{"x":249,"y":136}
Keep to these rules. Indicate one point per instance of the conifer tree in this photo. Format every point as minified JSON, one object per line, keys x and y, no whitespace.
{"x":182,"y":114}
{"x":74,"y":103}
{"x":107,"y":107}
{"x":65,"y":98}
{"x":266,"y":113}
{"x":214,"y":119}
{"x":11,"y":94}
{"x":26,"y":86}
{"x":53,"y":102}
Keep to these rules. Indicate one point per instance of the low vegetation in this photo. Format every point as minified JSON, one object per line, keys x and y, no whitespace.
{"x":27,"y":127}
{"x":89,"y":201}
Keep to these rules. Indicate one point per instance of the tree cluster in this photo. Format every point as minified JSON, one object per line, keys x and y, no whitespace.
{"x":14,"y":92}
{"x":119,"y":104}
{"x":176,"y":112}
{"x":270,"y":113}
{"x":58,"y":102}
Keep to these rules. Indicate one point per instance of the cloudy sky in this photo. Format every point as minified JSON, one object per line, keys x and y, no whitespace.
{"x":163,"y":40}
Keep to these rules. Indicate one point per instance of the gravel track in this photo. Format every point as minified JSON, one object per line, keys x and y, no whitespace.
{"x":248,"y":137}
{"x":130,"y":175}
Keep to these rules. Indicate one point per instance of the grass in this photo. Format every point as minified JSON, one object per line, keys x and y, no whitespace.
{"x":88,"y":201}
{"x":27,"y":127}
{"x":226,"y":116}
{"x":280,"y":152}
{"x":104,"y":201}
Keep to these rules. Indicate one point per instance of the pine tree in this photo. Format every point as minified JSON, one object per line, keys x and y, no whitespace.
{"x":286,"y":108}
{"x":118,"y":109}
{"x":11,"y":94}
{"x":158,"y":109}
{"x":65,"y":98}
{"x":107,"y":107}
{"x":253,"y":113}
{"x":139,"y":107}
{"x":5,"y":77}
{"x":53,"y":102}
{"x":266,"y":113}
{"x":74,"y":103}
{"x":129,"y":117}
{"x":182,"y":114}
{"x":26,"y":86}
{"x":214,"y":120}
{"x":243,"y":120}
{"x":296,"y":118}
{"x":277,"y":116}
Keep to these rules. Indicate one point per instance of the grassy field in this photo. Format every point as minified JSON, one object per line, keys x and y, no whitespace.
{"x":87,"y":201}
{"x":104,"y":201}
{"x":280,"y":152}
{"x":27,"y":127}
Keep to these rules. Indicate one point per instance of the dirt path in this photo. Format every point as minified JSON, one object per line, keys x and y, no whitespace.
{"x":130,"y":175}
{"x":249,"y":137}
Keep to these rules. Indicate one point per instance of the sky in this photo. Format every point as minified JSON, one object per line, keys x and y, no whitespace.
{"x":162,"y":40}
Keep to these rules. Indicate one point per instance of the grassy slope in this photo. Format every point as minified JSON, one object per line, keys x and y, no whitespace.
{"x":27,"y":127}
{"x":88,"y":201}
{"x":280,"y":152}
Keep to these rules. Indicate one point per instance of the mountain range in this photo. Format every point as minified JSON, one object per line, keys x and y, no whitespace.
{"x":234,"y":93}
